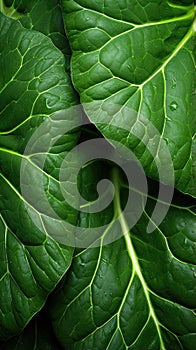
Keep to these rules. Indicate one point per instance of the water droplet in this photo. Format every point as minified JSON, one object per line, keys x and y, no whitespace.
{"x":194,"y":271}
{"x":173,"y":106}
{"x":173,"y":84}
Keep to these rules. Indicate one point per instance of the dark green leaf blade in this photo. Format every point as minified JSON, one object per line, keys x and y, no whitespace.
{"x":138,"y":55}
{"x":43,"y":16}
{"x":34,"y":88}
{"x":138,"y":292}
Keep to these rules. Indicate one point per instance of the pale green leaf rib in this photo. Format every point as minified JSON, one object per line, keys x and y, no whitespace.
{"x":134,"y":259}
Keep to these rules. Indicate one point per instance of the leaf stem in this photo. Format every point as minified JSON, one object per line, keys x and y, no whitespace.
{"x":132,"y":253}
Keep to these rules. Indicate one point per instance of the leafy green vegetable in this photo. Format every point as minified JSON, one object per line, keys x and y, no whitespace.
{"x":139,"y":55}
{"x":133,"y":66}
{"x":138,"y":292}
{"x":34,"y":87}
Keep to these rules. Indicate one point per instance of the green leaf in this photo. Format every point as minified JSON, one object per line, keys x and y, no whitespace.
{"x":37,"y":335}
{"x":138,"y":292}
{"x":41,"y":15}
{"x":35,"y":93}
{"x":138,"y":55}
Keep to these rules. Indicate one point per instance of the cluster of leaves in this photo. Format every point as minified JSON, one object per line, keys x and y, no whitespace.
{"x":138,"y":291}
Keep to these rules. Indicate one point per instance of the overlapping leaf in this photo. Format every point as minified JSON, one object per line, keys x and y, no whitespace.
{"x":139,"y":55}
{"x":34,"y":88}
{"x":41,"y":15}
{"x":138,"y":292}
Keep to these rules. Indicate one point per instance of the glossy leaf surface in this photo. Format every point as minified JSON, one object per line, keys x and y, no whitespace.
{"x":138,"y":55}
{"x":33,"y":89}
{"x":138,"y":292}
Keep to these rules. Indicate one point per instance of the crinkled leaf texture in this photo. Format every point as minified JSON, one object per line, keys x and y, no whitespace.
{"x":34,"y":87}
{"x":41,"y":15}
{"x":138,"y":292}
{"x":138,"y":55}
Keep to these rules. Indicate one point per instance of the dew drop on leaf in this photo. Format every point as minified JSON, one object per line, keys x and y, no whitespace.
{"x":194,"y":271}
{"x":173,"y":106}
{"x":173,"y":84}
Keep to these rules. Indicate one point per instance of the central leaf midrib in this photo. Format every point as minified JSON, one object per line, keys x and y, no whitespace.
{"x":132,"y":253}
{"x":189,"y":15}
{"x":186,"y":15}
